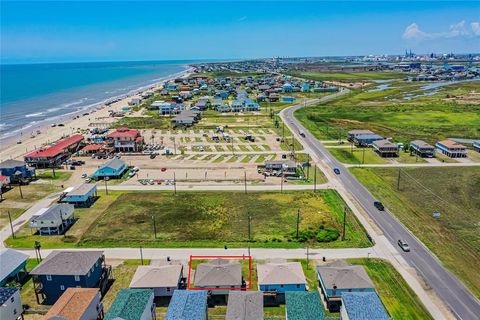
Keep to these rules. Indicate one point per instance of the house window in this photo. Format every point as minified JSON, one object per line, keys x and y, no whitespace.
{"x":78,"y":287}
{"x":88,"y":274}
{"x":49,"y":277}
{"x":15,"y":311}
{"x":77,"y":278}
{"x":298,"y":286}
{"x":12,"y":299}
{"x":62,"y":287}
{"x":168,"y":289}
{"x":281,"y":286}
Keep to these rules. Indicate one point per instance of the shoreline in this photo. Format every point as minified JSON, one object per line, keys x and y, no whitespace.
{"x":96,"y":111}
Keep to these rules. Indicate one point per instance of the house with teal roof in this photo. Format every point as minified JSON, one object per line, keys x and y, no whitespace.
{"x":132,"y":304}
{"x":188,"y":305}
{"x":304,"y":305}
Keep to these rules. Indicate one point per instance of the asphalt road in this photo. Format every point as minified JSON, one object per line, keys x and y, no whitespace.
{"x":462,"y":303}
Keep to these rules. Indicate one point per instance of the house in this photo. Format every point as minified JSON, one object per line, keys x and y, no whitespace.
{"x":125,"y":140}
{"x":451,"y":149}
{"x":12,"y":265}
{"x":197,"y":115}
{"x":4,"y":183}
{"x":53,"y":220}
{"x":352,"y":134}
{"x":324,"y":89}
{"x":77,"y":304}
{"x":287,"y":167}
{"x":422,"y":149}
{"x":132,"y":304}
{"x":69,"y":269}
{"x":303,"y":305}
{"x":188,"y":305}
{"x":218,"y":275}
{"x":280,"y":277}
{"x":245,"y":305}
{"x":83,"y":195}
{"x":287,"y":87}
{"x":288,"y":99}
{"x":273,"y":97}
{"x":340,"y":277}
{"x":54,"y":155}
{"x":112,"y":169}
{"x":237,"y":106}
{"x":164,"y":280}
{"x":362,"y":305}
{"x":385,"y":148}
{"x":96,"y":148}
{"x":366,"y":140}
{"x":223,"y":108}
{"x":251,"y":105}
{"x":201,"y":105}
{"x":476,"y":145}
{"x":135,"y":101}
{"x":305,"y":87}
{"x":16,"y":170}
{"x":183,"y":121}
{"x":11,"y":307}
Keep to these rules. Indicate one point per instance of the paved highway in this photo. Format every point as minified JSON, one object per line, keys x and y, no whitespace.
{"x":462,"y":303}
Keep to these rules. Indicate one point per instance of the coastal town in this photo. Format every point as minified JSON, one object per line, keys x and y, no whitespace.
{"x":202,"y":196}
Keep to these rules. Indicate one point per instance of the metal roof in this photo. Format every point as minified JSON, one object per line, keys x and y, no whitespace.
{"x":6,"y":293}
{"x":82,"y":189}
{"x":10,"y":260}
{"x":245,"y":305}
{"x":115,"y":164}
{"x":67,"y":263}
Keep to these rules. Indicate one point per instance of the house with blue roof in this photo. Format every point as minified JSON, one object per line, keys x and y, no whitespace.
{"x":132,"y":304}
{"x":11,"y":307}
{"x":287,"y":87}
{"x":188,"y":305}
{"x":83,"y":195}
{"x":304,"y":305}
{"x":251,"y":105}
{"x":362,"y":306}
{"x":114,"y":168}
{"x":305,"y":87}
{"x":12,"y":265}
{"x":366,"y":140}
{"x":16,"y":170}
{"x":288,"y":99}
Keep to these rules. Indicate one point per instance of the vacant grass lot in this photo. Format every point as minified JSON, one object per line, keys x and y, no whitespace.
{"x":399,"y":299}
{"x":349,"y":76}
{"x":429,"y":118}
{"x":454,"y":192}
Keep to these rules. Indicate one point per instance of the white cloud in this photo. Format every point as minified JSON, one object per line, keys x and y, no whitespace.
{"x":460,"y":29}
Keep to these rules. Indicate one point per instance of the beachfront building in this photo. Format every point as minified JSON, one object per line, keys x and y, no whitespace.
{"x":361,"y":306}
{"x":83,"y":195}
{"x":301,"y":305}
{"x":188,"y":305}
{"x":53,"y":220}
{"x":13,"y":266}
{"x":53,"y":155}
{"x":385,"y":148}
{"x":11,"y":307}
{"x":113,"y":169}
{"x":245,"y":305}
{"x":77,"y":304}
{"x":132,"y":304}
{"x":422,"y":149}
{"x":125,"y":140}
{"x":451,"y":149}
{"x":164,"y":280}
{"x":16,"y":171}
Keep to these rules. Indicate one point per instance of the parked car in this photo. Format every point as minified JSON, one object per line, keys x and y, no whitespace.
{"x":405,"y":247}
{"x":88,"y":180}
{"x":379,"y":205}
{"x":84,"y":175}
{"x":336,"y":170}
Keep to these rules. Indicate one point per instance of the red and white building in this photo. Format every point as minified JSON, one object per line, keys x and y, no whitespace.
{"x":53,"y":155}
{"x":4,"y":182}
{"x":125,"y":140}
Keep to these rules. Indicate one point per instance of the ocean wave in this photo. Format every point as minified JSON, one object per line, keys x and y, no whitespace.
{"x":34,"y":115}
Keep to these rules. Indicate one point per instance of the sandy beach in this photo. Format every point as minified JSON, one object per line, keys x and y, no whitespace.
{"x":100,"y":113}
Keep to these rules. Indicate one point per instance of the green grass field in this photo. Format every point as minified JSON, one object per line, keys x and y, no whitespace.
{"x":206,"y":219}
{"x":400,"y":300}
{"x":349,"y":76}
{"x":455,"y":236}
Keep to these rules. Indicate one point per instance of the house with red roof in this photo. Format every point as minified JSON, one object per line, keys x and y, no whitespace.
{"x":4,"y":182}
{"x":125,"y":140}
{"x":53,"y":155}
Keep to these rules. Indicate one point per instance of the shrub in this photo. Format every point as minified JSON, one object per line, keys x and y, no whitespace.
{"x":327,"y":235}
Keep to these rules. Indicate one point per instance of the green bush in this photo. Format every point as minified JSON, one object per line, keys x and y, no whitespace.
{"x":327,"y":235}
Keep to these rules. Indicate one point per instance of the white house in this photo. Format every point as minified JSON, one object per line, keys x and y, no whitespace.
{"x":53,"y":220}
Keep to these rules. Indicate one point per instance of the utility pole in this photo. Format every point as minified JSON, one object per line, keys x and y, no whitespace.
{"x":298,"y":221}
{"x":344,"y":222}
{"x":174,"y":184}
{"x":281,"y":183}
{"x":249,"y":231}
{"x":398,"y":179}
{"x":53,"y":170}
{"x":363,"y":155}
{"x":106,"y":187}
{"x":245,"y":181}
{"x":308,"y":258}
{"x":11,"y":225}
{"x":315,"y":178}
{"x":154,"y":226}
{"x":141,"y":255}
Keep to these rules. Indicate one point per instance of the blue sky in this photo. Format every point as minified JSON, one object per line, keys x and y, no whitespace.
{"x":119,"y":30}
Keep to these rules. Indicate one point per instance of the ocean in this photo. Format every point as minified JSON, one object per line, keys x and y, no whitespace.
{"x":34,"y":94}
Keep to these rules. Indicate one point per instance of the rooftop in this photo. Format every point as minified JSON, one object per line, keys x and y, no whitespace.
{"x":218,"y":272}
{"x":344,"y":277}
{"x":11,"y":164}
{"x":245,"y":305}
{"x":304,"y":305}
{"x":280,"y":273}
{"x":115,"y":164}
{"x":67,"y":263}
{"x":364,"y":305}
{"x":6,"y":293}
{"x":10,"y":260}
{"x":130,"y":304}
{"x":82,"y":189}
{"x":451,"y":144}
{"x":187,"y":305}
{"x":72,"y":304}
{"x":156,"y":277}
{"x":57,"y":148}
{"x":124,"y":133}
{"x":421,"y":144}
{"x":56,"y":211}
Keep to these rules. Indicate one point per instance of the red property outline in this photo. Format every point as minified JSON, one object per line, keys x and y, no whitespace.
{"x":249,"y":287}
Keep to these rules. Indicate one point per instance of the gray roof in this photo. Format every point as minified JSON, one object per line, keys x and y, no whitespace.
{"x":218,"y":272}
{"x":55,"y":212}
{"x":364,"y":305}
{"x":385,"y":143}
{"x":9,"y":261}
{"x":288,"y":163}
{"x":422,"y":144}
{"x":360,"y":131}
{"x":115,"y":164}
{"x":82,"y":189}
{"x":157,"y":277}
{"x":67,"y":263}
{"x":10,"y":164}
{"x":245,"y":305}
{"x":345,"y":277}
{"x":280,"y":273}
